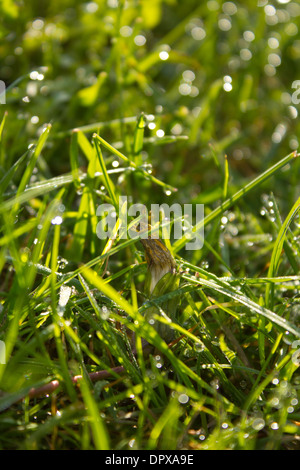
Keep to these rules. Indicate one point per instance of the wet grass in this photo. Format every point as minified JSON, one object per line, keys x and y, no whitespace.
{"x":161,"y":103}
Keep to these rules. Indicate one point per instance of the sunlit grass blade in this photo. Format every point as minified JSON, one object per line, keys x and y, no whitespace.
{"x":1,"y":143}
{"x":18,"y":232}
{"x":7,"y":178}
{"x":100,"y":435}
{"x":226,"y":177}
{"x":108,"y":290}
{"x":89,"y":95}
{"x":138,"y":139}
{"x":90,"y":152}
{"x":2,"y":125}
{"x":80,"y":232}
{"x":107,"y":180}
{"x":33,"y":158}
{"x":31,"y":164}
{"x":55,"y":317}
{"x":74,"y":158}
{"x":166,"y":425}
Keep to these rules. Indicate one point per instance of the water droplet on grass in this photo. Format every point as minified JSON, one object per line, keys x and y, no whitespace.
{"x":140,"y":40}
{"x":57,"y":220}
{"x":296,"y":358}
{"x":104,"y":312}
{"x":163,"y":55}
{"x":199,"y":346}
{"x":183,"y":398}
{"x":258,"y":424}
{"x":160,"y":133}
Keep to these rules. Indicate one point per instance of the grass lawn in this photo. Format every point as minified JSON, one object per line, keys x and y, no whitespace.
{"x":155,"y":102}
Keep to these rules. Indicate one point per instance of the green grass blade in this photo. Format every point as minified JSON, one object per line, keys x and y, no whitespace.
{"x":138,"y":139}
{"x":7,"y":178}
{"x":33,"y":158}
{"x":92,"y":277}
{"x":226,"y":178}
{"x":19,"y":231}
{"x":107,"y":181}
{"x":99,"y":432}
{"x":80,"y":232}
{"x":1,"y":142}
{"x":74,"y":158}
{"x":55,"y":317}
{"x":90,"y":153}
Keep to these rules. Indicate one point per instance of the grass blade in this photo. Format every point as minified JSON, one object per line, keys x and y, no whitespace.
{"x":74,"y":158}
{"x":107,"y":181}
{"x":138,"y":139}
{"x":7,"y":178}
{"x":100,"y":435}
{"x":33,"y":158}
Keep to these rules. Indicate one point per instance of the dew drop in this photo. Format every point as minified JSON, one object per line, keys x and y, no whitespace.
{"x":160,"y":133}
{"x":183,"y":398}
{"x":57,"y":220}
{"x":163,"y":55}
{"x":274,"y":425}
{"x":199,"y":346}
{"x":296,"y":358}
{"x":131,"y":443}
{"x":140,"y":40}
{"x":258,"y":424}
{"x":104,"y":312}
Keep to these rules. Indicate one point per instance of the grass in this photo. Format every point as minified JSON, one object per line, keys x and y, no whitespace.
{"x":110,"y":99}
